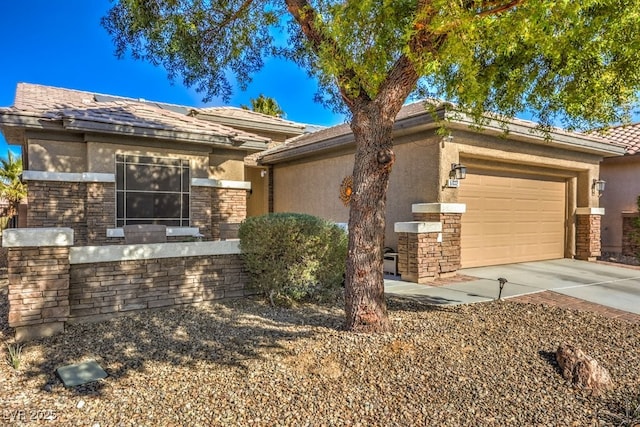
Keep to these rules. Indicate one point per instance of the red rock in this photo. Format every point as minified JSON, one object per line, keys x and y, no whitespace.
{"x":581,"y":369}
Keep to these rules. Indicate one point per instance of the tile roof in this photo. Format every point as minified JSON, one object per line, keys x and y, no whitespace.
{"x":409,"y":113}
{"x":627,"y":136}
{"x":76,"y":109}
{"x":247,"y":115}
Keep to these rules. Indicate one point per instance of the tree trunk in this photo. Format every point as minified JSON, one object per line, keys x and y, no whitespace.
{"x":365,"y":305}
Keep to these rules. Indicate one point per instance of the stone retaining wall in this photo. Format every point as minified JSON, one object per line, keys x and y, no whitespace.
{"x":52,"y":282}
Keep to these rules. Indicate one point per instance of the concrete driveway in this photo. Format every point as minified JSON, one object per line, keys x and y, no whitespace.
{"x":612,"y":286}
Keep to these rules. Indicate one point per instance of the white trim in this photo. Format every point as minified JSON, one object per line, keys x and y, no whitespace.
{"x":221,"y":183}
{"x":447,"y":208}
{"x":96,"y":254}
{"x":34,"y":237}
{"x":589,"y":211}
{"x":68,"y":176}
{"x":417,"y":227}
{"x":171,"y":232}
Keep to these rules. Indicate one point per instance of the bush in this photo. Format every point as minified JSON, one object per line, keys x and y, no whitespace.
{"x":294,"y":257}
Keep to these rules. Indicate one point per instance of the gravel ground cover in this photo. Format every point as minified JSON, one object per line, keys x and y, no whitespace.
{"x":246,"y":363}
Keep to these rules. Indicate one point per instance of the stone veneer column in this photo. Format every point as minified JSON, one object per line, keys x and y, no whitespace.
{"x":588,"y":242}
{"x":38,"y":272}
{"x":418,"y":250}
{"x":450,"y":215}
{"x":630,"y":245}
{"x":54,"y":203}
{"x":228,"y":201}
{"x":100,"y":211}
{"x":201,"y":210}
{"x":229,"y":206}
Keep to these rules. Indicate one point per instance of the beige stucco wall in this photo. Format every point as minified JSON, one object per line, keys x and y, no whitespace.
{"x":56,"y":156}
{"x":419,"y":175}
{"x":227,"y":164}
{"x":258,"y":198}
{"x":101,"y":157}
{"x":98,"y":156}
{"x":620,"y":195}
{"x":313,"y":187}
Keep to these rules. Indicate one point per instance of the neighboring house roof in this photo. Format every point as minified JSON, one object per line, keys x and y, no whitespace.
{"x":249,"y":120}
{"x":45,"y":107}
{"x":627,"y":136}
{"x":420,"y":116}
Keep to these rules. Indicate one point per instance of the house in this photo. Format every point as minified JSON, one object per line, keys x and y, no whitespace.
{"x":98,"y":162}
{"x":524,"y":197}
{"x":620,"y":199}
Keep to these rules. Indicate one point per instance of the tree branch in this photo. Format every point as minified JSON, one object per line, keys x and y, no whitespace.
{"x":497,"y":7}
{"x":227,"y":20}
{"x":244,"y":6}
{"x":305,"y":16}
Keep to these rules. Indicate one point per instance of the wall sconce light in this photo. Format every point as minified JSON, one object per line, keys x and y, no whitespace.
{"x":263,"y":173}
{"x":458,"y":172}
{"x":598,"y":186}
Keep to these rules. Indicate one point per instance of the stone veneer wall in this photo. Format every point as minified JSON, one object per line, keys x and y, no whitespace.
{"x":201,"y":211}
{"x":100,"y":212}
{"x":630,"y":246}
{"x":588,"y":243}
{"x":418,"y":256}
{"x":449,"y":250}
{"x":38,"y":288}
{"x":51,"y":283}
{"x":228,"y":206}
{"x":58,"y":204}
{"x":99,"y":289}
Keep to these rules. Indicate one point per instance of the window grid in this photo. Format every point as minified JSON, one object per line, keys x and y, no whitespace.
{"x":147,"y":168}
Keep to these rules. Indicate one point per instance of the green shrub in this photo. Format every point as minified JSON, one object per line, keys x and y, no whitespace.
{"x":294,"y":257}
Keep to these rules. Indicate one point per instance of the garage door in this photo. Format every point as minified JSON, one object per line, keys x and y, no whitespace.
{"x":511,"y":218}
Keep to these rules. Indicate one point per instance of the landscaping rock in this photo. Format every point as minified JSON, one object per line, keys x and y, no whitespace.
{"x":581,"y":369}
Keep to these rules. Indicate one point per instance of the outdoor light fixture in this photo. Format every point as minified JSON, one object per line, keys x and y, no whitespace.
{"x":598,"y":186}
{"x":458,"y":172}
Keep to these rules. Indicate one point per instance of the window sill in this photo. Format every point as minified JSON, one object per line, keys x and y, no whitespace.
{"x":171,"y":232}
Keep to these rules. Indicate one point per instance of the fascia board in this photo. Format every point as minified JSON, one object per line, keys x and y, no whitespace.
{"x":527,"y":133}
{"x":269,"y":127}
{"x":119,"y":129}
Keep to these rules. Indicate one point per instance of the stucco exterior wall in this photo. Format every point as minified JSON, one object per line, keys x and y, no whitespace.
{"x":101,"y":157}
{"x":57,"y":156}
{"x":620,"y":196}
{"x":421,"y":170}
{"x":258,"y":198}
{"x":313,"y":186}
{"x":226,"y":164}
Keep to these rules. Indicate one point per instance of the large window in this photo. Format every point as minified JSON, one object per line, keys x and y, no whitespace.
{"x":152,"y":190}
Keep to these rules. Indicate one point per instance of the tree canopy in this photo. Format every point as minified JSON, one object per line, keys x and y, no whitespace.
{"x":265,"y":105}
{"x":568,"y":60}
{"x":11,"y":188}
{"x":576,"y":63}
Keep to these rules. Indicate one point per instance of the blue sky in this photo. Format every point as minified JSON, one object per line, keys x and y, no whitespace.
{"x":61,"y":43}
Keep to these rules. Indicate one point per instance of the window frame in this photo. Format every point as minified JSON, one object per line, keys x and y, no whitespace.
{"x":122,"y":192}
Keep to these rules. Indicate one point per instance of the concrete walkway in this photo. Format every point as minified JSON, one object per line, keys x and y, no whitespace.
{"x":603,"y":284}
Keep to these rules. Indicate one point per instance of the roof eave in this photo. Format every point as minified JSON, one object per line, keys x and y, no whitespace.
{"x":528,"y":131}
{"x":203,"y":138}
{"x":252,"y":124}
{"x":404,"y":125}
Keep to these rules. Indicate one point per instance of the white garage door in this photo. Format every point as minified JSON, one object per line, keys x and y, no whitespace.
{"x":511,"y":218}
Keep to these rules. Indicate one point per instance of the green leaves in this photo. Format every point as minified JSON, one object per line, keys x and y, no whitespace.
{"x":293,"y":257}
{"x":563,"y":60}
{"x":11,"y":187}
